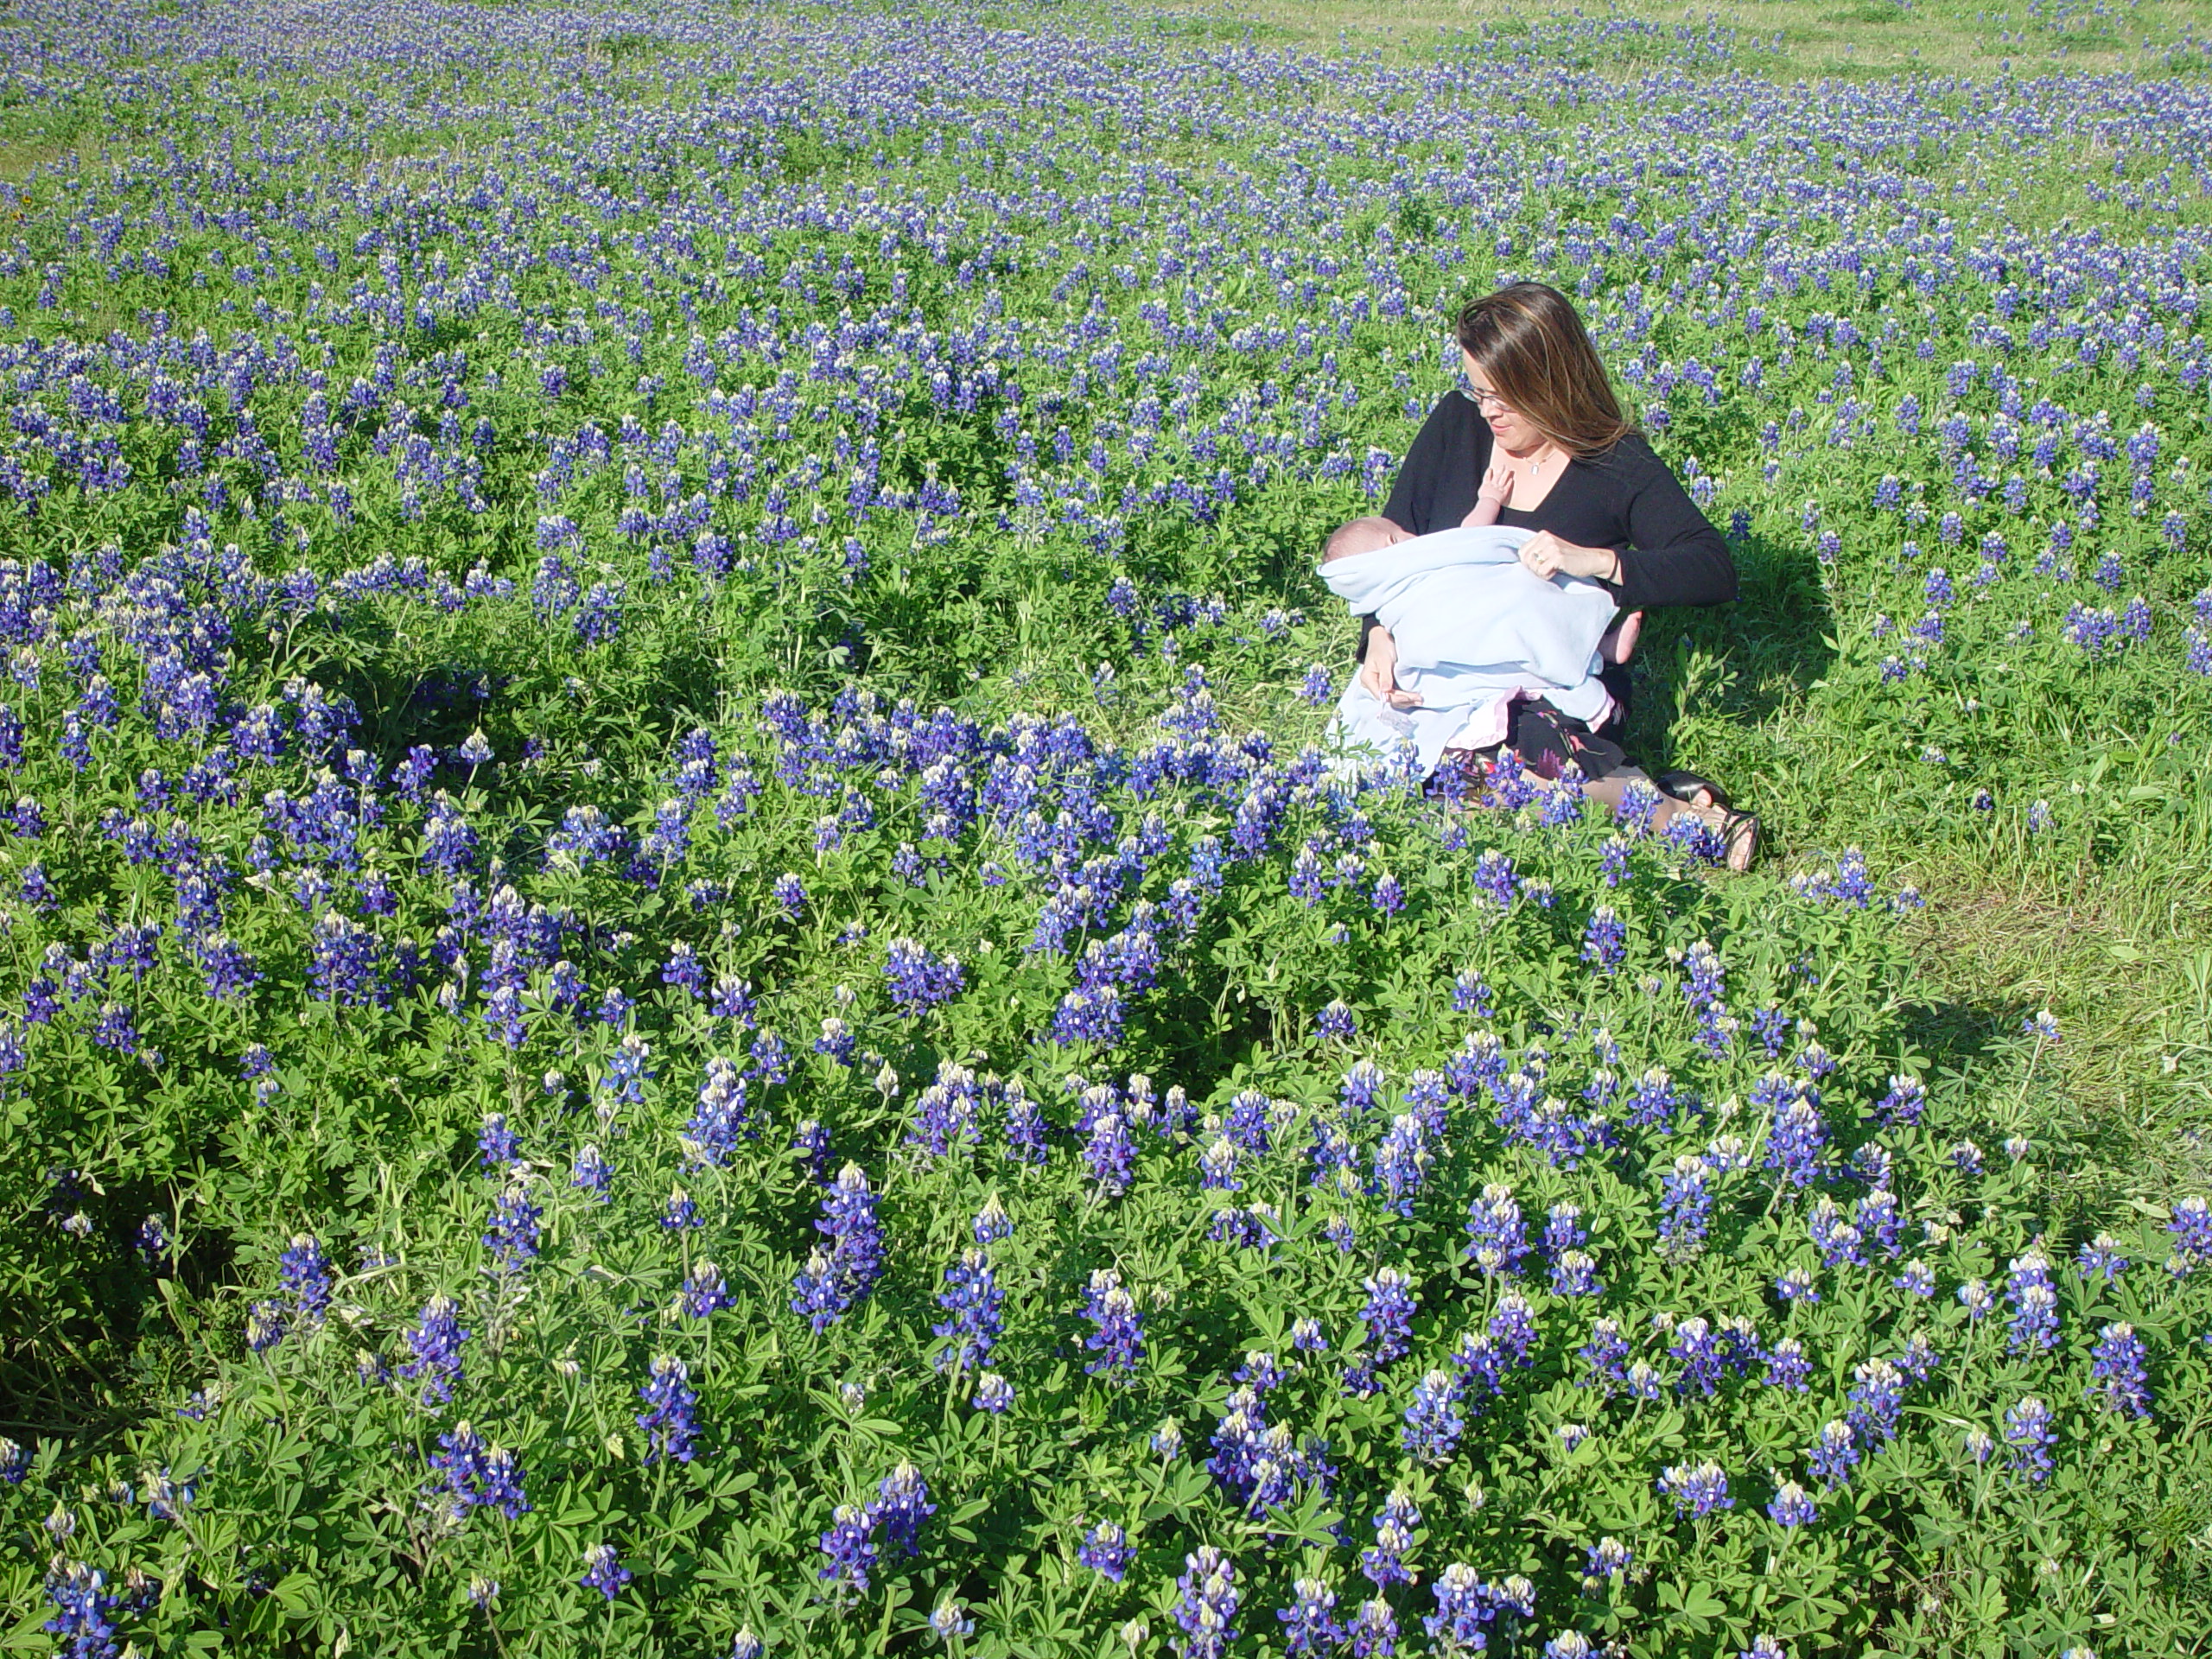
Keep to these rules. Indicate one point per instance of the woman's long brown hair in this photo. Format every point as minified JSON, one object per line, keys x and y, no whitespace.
{"x":1530,"y":339}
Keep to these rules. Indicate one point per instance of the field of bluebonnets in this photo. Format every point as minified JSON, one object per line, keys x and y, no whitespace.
{"x":681,"y":974}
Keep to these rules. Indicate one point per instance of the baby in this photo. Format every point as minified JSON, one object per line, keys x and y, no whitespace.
{"x":1475,"y":632}
{"x":1369,"y":535}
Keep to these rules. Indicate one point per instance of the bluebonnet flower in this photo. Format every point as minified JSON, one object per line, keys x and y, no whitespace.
{"x":1792,"y":1506}
{"x":1601,"y":1560}
{"x":1697,"y":1490}
{"x":1836,"y":1238}
{"x":2028,"y":1436}
{"x":837,"y":1040}
{"x":512,"y":1236}
{"x":993,"y":1393}
{"x":1700,"y":1353}
{"x":1373,"y":1632}
{"x":1833,"y":1453}
{"x":1106,"y":1551}
{"x":15,"y":1461}
{"x":992,"y":1223}
{"x":165,"y":1499}
{"x":1465,"y":1606}
{"x":1513,"y":1326}
{"x":901,"y":1507}
{"x":1605,"y":1354}
{"x":2100,"y":1255}
{"x":849,"y":1544}
{"x":1388,"y":1317}
{"x":1494,"y":878}
{"x":1110,"y":1153}
{"x":1471,"y":995}
{"x":948,"y":1619}
{"x":1218,"y":1166}
{"x":835,"y":1278}
{"x":478,"y":1475}
{"x":115,"y":1028}
{"x":2119,"y":1377}
{"x":682,"y":969}
{"x":1251,"y":1228}
{"x":2191,"y":1228}
{"x":436,"y":1342}
{"x":603,"y":1571}
{"x":703,"y":1291}
{"x":918,"y":981}
{"x":83,"y":1612}
{"x":1316,"y":688}
{"x":1310,"y":1625}
{"x":1685,"y":1209}
{"x":1389,"y":897}
{"x":1654,"y":1100}
{"x":1917,"y":1279}
{"x":1383,"y":1563}
{"x":668,"y":1421}
{"x":1976,"y":1297}
{"x":2033,"y":1323}
{"x":1902,"y":1107}
{"x":1119,"y":1338}
{"x":1402,"y":1163}
{"x":1613,"y":862}
{"x":304,"y":1275}
{"x":1604,"y":940}
{"x":1798,"y":1138}
{"x":1497,"y":1238}
{"x":628,"y":1071}
{"x":972,"y":1296}
{"x":719,"y":1118}
{"x":593,"y":1173}
{"x":1206,"y":1612}
{"x":1025,"y":1129}
{"x":1336,"y":1022}
{"x":1575,"y":1274}
{"x":1361,"y":1088}
{"x":732,"y":999}
{"x":264,"y":1325}
{"x":1434,"y":1421}
{"x":788,"y":894}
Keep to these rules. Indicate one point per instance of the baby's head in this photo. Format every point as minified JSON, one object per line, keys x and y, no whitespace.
{"x":1369,"y":535}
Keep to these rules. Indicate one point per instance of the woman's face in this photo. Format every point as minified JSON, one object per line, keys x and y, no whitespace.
{"x":1507,"y":425}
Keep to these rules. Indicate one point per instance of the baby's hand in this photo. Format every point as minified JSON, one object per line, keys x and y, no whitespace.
{"x":1496,"y":485}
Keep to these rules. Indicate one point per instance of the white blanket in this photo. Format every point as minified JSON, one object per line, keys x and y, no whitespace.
{"x":1474,"y":630}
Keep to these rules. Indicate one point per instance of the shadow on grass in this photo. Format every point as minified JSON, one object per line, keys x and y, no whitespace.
{"x":1739,"y":664}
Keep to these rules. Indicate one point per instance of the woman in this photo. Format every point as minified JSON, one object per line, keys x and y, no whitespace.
{"x":1540,"y":432}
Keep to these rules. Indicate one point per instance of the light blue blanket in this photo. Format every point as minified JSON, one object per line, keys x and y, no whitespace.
{"x":1474,"y":628}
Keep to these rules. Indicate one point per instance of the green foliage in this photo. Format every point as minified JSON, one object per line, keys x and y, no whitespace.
{"x":1035,"y":722}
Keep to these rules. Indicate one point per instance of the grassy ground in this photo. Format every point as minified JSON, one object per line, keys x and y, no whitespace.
{"x":1864,"y":36}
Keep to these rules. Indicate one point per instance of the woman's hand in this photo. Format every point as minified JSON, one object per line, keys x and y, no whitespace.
{"x":1547,"y":555}
{"x":1379,"y":673}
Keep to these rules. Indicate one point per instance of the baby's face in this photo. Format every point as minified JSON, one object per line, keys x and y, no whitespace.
{"x":1367,"y":536}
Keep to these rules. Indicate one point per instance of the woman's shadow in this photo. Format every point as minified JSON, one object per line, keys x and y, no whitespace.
{"x":1724,"y":672}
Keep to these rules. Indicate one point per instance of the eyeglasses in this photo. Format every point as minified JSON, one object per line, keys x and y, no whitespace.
{"x":1486,"y":400}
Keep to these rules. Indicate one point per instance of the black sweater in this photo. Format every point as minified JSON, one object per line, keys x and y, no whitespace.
{"x":1625,"y":499}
